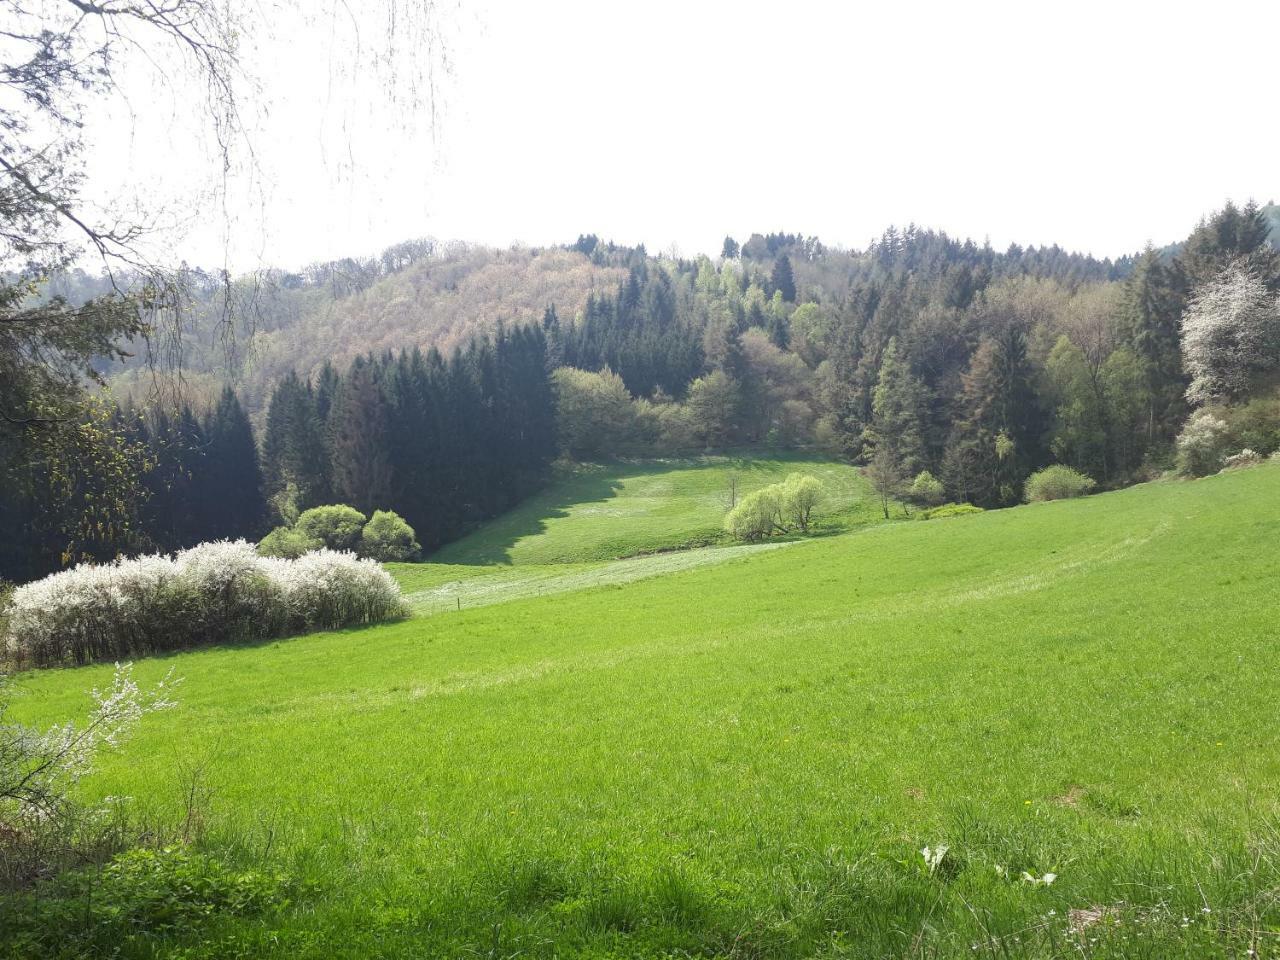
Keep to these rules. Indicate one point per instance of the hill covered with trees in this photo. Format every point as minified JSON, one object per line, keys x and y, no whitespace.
{"x":441,"y":380}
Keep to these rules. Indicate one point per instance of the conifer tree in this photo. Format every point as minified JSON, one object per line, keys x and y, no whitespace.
{"x":232,"y":478}
{"x":359,"y":440}
{"x":783,"y":280}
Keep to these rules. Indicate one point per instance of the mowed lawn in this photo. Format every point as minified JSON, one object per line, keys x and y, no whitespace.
{"x":746,"y":759}
{"x":611,"y":511}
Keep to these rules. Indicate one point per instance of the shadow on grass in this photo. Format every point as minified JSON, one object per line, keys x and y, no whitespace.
{"x":492,"y":542}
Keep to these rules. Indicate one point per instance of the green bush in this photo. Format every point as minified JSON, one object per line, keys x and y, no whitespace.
{"x":756,"y":516}
{"x":948,"y":510}
{"x":287,"y":542}
{"x":777,"y":508}
{"x":336,"y":527}
{"x":387,"y":537}
{"x":1057,"y":482}
{"x":1255,"y":425}
{"x":926,"y":490}
{"x":798,"y":495}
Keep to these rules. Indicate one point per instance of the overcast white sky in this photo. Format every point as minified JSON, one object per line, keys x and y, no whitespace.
{"x":1098,"y":126}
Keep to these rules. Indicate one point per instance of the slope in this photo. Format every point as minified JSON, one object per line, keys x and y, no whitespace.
{"x":747,"y":759}
{"x":616,"y":510}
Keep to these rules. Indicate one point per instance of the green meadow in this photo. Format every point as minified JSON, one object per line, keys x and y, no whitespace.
{"x":743,"y":752}
{"x":617,"y":510}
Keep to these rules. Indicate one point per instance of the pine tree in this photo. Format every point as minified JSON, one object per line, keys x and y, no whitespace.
{"x":359,"y":440}
{"x":232,"y":473}
{"x":899,"y":413}
{"x":1149,"y":324}
{"x":783,"y":280}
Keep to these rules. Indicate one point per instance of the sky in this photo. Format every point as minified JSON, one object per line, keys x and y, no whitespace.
{"x":1097,"y":126}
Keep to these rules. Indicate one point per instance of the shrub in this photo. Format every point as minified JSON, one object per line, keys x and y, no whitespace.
{"x":325,"y":589}
{"x":926,"y":490}
{"x":387,"y":537}
{"x":756,"y":516}
{"x":1245,"y":458}
{"x":777,"y":508}
{"x":1202,"y":444}
{"x":798,"y":495}
{"x":948,"y":510}
{"x":215,"y":592}
{"x":1255,"y":425}
{"x":287,"y":542}
{"x":336,"y":527}
{"x":1057,"y":482}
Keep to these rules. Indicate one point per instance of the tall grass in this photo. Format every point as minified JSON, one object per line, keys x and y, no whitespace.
{"x":212,"y":593}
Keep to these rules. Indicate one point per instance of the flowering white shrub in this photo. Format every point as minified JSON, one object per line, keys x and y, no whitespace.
{"x":212,"y":593}
{"x":1202,"y":444}
{"x":1245,"y":458}
{"x":330,"y":589}
{"x":1230,"y":333}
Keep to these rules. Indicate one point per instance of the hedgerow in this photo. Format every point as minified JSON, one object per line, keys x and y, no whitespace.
{"x":213,"y":593}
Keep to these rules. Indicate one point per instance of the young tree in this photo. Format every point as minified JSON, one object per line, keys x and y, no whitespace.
{"x":798,"y":495}
{"x":884,"y":470}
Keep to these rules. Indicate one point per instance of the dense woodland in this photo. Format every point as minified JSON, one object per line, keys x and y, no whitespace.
{"x":350,"y":382}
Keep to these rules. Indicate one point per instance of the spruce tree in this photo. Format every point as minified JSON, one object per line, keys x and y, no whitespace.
{"x":783,"y":280}
{"x":233,"y":479}
{"x":359,"y":440}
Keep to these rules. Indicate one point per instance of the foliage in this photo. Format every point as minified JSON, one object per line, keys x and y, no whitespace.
{"x":948,"y":510}
{"x":594,"y":414}
{"x":926,"y":490}
{"x":42,"y":826}
{"x":334,"y":527}
{"x":799,"y":495}
{"x":777,"y":508}
{"x":387,"y":538}
{"x":1057,"y":482}
{"x":138,"y":897}
{"x":757,"y":515}
{"x":288,"y":542}
{"x":212,"y":593}
{"x":1245,"y":458}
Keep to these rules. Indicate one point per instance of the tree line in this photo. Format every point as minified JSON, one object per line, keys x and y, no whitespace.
{"x":446,"y":442}
{"x":920,"y":354}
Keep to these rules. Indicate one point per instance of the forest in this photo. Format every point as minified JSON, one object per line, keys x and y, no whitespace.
{"x":475,"y":369}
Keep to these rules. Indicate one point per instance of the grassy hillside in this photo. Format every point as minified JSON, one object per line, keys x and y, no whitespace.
{"x":605,"y":512}
{"x":746,"y":759}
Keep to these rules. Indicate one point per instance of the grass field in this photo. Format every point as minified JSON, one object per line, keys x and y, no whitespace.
{"x":611,"y":511}
{"x":745,"y":758}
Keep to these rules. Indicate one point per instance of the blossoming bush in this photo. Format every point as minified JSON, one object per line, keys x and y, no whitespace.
{"x":213,"y":593}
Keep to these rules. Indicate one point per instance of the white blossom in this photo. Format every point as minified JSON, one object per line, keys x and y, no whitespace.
{"x":214,"y":592}
{"x":1230,"y":333}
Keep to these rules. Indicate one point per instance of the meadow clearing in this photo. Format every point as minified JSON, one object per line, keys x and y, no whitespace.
{"x":624,"y":509}
{"x":748,"y":757}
